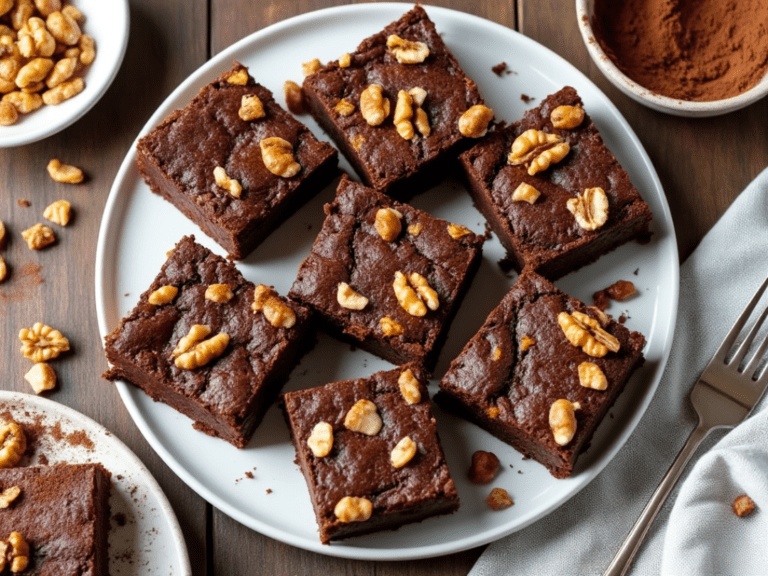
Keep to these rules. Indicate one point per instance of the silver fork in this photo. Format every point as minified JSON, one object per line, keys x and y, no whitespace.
{"x":723,"y":397}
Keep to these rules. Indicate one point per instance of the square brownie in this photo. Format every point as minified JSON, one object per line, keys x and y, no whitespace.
{"x":237,"y":358}
{"x":520,"y":362}
{"x":545,"y":235}
{"x":358,"y":481}
{"x":350,"y":251}
{"x":62,"y":512}
{"x":177,"y":160}
{"x":384,"y":159}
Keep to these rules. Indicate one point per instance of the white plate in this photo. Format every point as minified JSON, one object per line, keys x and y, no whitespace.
{"x":108,"y":22}
{"x":144,"y":535}
{"x":138,"y":227}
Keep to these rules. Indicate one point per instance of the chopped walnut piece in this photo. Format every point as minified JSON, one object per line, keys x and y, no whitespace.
{"x":196,"y":334}
{"x":38,"y":237}
{"x":496,"y":354}
{"x":64,"y":173}
{"x":224,"y":181}
{"x":345,"y":60}
{"x":526,"y":343}
{"x":484,"y":467}
{"x":585,"y":332}
{"x":357,"y":141}
{"x":58,"y":212}
{"x":567,"y":117}
{"x":353,"y":509}
{"x":13,"y":443}
{"x":8,"y":495}
{"x":19,"y":556}
{"x":277,"y":313}
{"x":525,"y":193}
{"x":239,"y":78}
{"x":493,"y":412}
{"x":456,"y":231}
{"x":387,"y":223}
{"x":621,"y":290}
{"x":41,"y":377}
{"x":277,"y":155}
{"x":538,"y":150}
{"x":311,"y":67}
{"x":427,"y":294}
{"x":163,"y":295}
{"x":407,"y":297}
{"x":3,"y":269}
{"x":320,"y":441}
{"x":203,"y":352}
{"x":389,"y":327}
{"x":409,"y":387}
{"x":474,"y":122}
{"x":403,"y":115}
{"x":403,"y":452}
{"x":499,"y":499}
{"x":251,"y":108}
{"x":374,"y":106}
{"x":414,"y":229}
{"x":590,"y":208}
{"x":562,"y":420}
{"x":406,"y":51}
{"x":743,"y":505}
{"x":219,"y":293}
{"x":363,"y":417}
{"x":2,"y":234}
{"x":294,"y":97}
{"x":349,"y":299}
{"x":344,"y":107}
{"x":591,"y":376}
{"x":41,"y":343}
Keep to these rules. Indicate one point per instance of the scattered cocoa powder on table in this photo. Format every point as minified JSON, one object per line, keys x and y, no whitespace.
{"x":700,"y":50}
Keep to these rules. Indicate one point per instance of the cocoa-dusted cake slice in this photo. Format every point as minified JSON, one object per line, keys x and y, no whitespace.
{"x":523,"y":360}
{"x":545,"y":235}
{"x":370,"y":453}
{"x":62,"y":513}
{"x":208,"y":343}
{"x":367,"y":245}
{"x":178,"y":158}
{"x":382,"y":157}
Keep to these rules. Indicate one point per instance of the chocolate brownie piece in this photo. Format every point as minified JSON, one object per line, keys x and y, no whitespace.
{"x":62,"y":512}
{"x":227,"y":393}
{"x":520,"y":362}
{"x":177,"y":160}
{"x":338,"y":461}
{"x":545,"y":235}
{"x":384,"y":159}
{"x":350,"y":249}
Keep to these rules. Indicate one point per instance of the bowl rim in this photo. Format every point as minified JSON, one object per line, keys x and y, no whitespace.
{"x":584,"y":10}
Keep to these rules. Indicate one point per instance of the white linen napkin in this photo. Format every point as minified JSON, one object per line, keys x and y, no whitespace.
{"x":703,"y":536}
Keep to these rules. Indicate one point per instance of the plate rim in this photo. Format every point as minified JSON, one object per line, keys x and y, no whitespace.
{"x":52,"y":407}
{"x":204,"y":74}
{"x":85,"y":105}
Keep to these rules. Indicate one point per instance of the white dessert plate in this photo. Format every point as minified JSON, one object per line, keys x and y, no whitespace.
{"x":260,"y":485}
{"x":144,"y":536}
{"x":108,"y":22}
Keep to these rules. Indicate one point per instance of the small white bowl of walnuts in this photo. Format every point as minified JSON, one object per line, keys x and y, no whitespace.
{"x":57,"y":59}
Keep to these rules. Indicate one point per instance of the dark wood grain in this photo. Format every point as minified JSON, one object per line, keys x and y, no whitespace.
{"x":703,"y":164}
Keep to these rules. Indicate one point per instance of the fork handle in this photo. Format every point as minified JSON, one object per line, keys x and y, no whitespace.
{"x":626,"y":553}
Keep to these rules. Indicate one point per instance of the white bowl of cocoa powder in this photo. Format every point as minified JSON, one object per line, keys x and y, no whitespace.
{"x":686,"y":57}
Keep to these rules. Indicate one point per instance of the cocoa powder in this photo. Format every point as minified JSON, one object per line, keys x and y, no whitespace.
{"x":699,"y":50}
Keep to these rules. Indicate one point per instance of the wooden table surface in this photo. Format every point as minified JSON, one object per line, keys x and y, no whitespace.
{"x":703,"y":165}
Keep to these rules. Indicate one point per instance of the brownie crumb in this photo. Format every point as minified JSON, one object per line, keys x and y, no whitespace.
{"x":42,"y":460}
{"x":743,"y":505}
{"x":269,"y":490}
{"x":527,"y":99}
{"x":483,"y":468}
{"x":249,"y":474}
{"x":623,"y":318}
{"x":499,"y":69}
{"x":24,"y":203}
{"x":636,"y":272}
{"x":120,"y":519}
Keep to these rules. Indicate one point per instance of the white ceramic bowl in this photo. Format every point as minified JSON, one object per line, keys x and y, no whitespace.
{"x":108,"y":22}
{"x":584,"y":11}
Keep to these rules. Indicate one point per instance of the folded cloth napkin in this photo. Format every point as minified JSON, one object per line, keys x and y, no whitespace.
{"x":703,"y":536}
